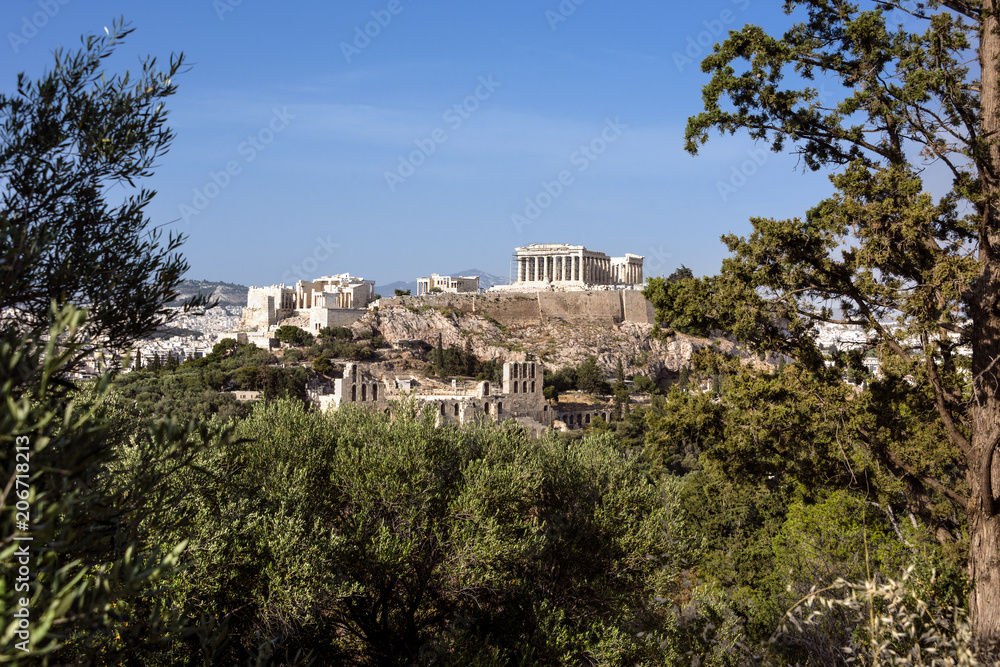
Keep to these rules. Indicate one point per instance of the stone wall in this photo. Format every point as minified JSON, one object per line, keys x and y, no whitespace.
{"x":539,"y":308}
{"x":511,"y":309}
{"x":463,"y":302}
{"x":333,"y":317}
{"x":635,"y":308}
{"x":584,"y":307}
{"x":260,"y":309}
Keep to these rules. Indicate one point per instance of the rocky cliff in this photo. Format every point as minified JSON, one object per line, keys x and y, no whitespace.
{"x":556,"y":344}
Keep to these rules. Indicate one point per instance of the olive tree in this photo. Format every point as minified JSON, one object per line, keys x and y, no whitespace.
{"x":75,"y":145}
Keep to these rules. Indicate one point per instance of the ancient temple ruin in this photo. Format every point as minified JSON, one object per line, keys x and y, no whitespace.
{"x":574,"y":266}
{"x":329,"y":301}
{"x":449,"y":284}
{"x":518,"y":398}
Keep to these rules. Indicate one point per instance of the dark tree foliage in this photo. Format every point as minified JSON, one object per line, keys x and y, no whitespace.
{"x":336,"y":333}
{"x":371,"y":540}
{"x":587,"y":376}
{"x":66,"y":139}
{"x":590,"y":378}
{"x":200,"y":388}
{"x":919,"y":272}
{"x":643,"y":384}
{"x":461,"y":362}
{"x":680,"y":274}
{"x":321,"y":364}
{"x":294,"y":335}
{"x":80,"y":268}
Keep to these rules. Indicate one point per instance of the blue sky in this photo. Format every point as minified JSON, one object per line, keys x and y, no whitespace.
{"x":424,"y":145}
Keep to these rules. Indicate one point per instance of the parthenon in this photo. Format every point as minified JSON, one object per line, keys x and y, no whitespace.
{"x":575,"y":265}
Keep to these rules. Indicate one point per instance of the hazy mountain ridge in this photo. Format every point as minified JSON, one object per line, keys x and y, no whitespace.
{"x":229,"y":294}
{"x":486,"y":281}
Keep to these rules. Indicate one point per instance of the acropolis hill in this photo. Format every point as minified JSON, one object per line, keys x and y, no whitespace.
{"x":555,"y":282}
{"x":567,"y":303}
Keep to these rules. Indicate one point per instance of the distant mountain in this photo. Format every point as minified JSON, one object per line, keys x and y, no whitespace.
{"x":486,"y":281}
{"x":228,"y":294}
{"x":387,"y":289}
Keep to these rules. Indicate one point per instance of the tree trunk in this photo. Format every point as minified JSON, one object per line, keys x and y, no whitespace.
{"x":984,"y":524}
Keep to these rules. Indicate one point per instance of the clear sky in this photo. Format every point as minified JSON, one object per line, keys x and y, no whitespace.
{"x":425,"y":145}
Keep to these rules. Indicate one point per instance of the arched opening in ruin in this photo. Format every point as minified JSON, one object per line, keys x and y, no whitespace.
{"x":456,"y":409}
{"x":499,"y":408}
{"x":525,"y":387}
{"x":374,"y":392}
{"x":532,"y":367}
{"x":354,"y":393}
{"x":515,"y":387}
{"x":364,"y":393}
{"x":587,"y":419}
{"x":486,"y":389}
{"x":532,"y":387}
{"x":442,"y":409}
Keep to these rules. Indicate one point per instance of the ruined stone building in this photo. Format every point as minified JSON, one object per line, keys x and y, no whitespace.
{"x":518,"y":398}
{"x":330,"y":301}
{"x":460,"y":284}
{"x":574,"y":266}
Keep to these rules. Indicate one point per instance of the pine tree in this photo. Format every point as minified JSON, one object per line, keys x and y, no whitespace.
{"x":896,"y":104}
{"x":439,"y":357}
{"x":470,"y":359}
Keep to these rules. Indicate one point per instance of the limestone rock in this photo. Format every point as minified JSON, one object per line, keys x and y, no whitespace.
{"x":556,"y":344}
